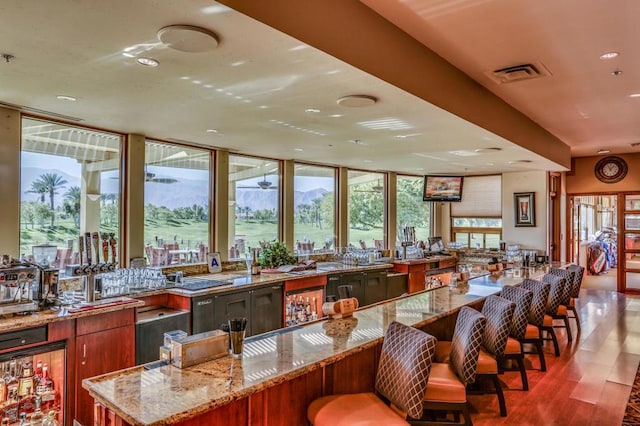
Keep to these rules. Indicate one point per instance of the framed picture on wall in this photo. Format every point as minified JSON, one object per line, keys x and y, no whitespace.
{"x":525,"y":208}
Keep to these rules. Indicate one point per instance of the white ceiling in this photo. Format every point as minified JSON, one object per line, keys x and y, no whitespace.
{"x":255,"y":86}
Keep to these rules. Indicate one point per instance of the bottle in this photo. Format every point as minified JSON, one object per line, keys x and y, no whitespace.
{"x":23,"y":419}
{"x":46,"y":390}
{"x":51,"y":420}
{"x":3,"y":386}
{"x":37,"y":417}
{"x":25,"y":383}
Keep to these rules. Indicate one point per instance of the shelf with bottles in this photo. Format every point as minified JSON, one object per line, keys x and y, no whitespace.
{"x":29,"y":392}
{"x":303,"y":307}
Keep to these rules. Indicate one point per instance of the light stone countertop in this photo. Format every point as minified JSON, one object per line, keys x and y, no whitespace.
{"x":167,"y":394}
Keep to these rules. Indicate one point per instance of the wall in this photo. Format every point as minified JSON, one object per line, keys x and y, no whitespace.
{"x":10,"y":177}
{"x":582,"y":180}
{"x":528,"y":237}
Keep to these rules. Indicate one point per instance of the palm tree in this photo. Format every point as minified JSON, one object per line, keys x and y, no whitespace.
{"x":38,"y":187}
{"x":71,"y":204}
{"x":52,"y":182}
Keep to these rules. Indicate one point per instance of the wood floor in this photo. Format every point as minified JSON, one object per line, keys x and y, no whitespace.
{"x":589,"y":383}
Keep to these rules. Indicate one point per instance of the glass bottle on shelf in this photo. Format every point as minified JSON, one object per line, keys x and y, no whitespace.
{"x":23,"y":419}
{"x":37,"y":417}
{"x":25,"y":382}
{"x":3,"y":385}
{"x":51,"y":420}
{"x":46,"y":389}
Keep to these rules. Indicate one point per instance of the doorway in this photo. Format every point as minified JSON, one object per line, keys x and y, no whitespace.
{"x":594,"y":238}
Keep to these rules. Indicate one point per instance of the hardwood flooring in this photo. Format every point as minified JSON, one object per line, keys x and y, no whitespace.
{"x":589,"y":383}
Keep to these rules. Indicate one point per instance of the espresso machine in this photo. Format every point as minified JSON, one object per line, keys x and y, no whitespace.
{"x":19,"y":288}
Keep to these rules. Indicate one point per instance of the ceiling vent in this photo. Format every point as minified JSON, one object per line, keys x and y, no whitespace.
{"x":519,"y":73}
{"x":40,"y":112}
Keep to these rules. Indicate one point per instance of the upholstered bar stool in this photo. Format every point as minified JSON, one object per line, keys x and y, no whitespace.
{"x":513,"y":349}
{"x":556,"y":295}
{"x":401,"y":381}
{"x":533,"y":332}
{"x":446,"y":390}
{"x":575,"y":292}
{"x":562,"y":312}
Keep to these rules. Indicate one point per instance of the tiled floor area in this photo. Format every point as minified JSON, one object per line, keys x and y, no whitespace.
{"x":589,"y":383}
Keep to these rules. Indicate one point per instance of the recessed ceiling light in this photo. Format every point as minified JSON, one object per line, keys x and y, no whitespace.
{"x":336,"y":115}
{"x":148,"y":62}
{"x":312,"y":110}
{"x":367,"y":161}
{"x":187,"y":38}
{"x":212,"y":131}
{"x":355,"y":141}
{"x":609,"y":55}
{"x":634,"y":95}
{"x":357,"y":101}
{"x":66,"y":98}
{"x":634,"y":144}
{"x":616,"y":73}
{"x":604,"y":151}
{"x":487,"y":150}
{"x":298,"y":149}
{"x":519,"y":161}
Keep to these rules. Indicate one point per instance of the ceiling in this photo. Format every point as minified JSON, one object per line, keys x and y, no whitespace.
{"x":257,"y":92}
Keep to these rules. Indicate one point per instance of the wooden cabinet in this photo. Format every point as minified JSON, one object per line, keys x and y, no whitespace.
{"x":104,"y":343}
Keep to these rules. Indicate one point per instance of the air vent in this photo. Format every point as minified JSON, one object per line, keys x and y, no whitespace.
{"x":40,"y":112}
{"x":634,"y":145}
{"x":519,"y":73}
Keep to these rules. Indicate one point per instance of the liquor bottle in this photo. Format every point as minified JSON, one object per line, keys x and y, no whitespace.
{"x":25,"y":382}
{"x":46,"y":391}
{"x":3,"y":385}
{"x":23,"y":419}
{"x":51,"y":420}
{"x":37,"y":417}
{"x":37,"y":374}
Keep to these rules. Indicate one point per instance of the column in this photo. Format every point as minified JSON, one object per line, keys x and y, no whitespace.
{"x":10,"y":129}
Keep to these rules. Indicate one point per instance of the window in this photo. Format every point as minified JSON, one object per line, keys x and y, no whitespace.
{"x":254,"y":194}
{"x":476,"y":221}
{"x":411,"y":210}
{"x":69,"y":178}
{"x":314,"y":208}
{"x":176,"y":204}
{"x":366,"y":209}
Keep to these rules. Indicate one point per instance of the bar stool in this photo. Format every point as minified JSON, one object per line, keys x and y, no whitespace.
{"x":562,"y":313}
{"x":513,"y":349}
{"x":556,"y":295}
{"x":533,"y":332}
{"x":401,"y":380}
{"x":575,"y":292}
{"x":446,"y":390}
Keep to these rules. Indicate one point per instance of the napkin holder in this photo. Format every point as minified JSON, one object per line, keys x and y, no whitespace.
{"x":343,"y":308}
{"x":199,"y":348}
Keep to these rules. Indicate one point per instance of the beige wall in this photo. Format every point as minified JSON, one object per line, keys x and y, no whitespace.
{"x":582,"y":180}
{"x":528,"y":237}
{"x":10,"y":181}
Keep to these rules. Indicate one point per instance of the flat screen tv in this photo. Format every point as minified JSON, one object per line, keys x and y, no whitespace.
{"x":442,"y":188}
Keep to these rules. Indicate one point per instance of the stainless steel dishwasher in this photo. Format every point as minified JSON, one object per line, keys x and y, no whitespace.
{"x":150,"y":329}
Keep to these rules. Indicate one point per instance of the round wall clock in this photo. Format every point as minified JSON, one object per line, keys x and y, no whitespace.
{"x":611,"y":169}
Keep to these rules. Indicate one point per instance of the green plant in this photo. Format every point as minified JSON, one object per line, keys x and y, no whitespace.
{"x":275,"y":255}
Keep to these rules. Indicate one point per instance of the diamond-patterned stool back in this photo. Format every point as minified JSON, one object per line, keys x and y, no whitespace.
{"x":539,"y":303}
{"x":569,"y":277}
{"x":465,"y":345}
{"x":498,"y":312}
{"x":405,"y":364}
{"x":557,"y":292}
{"x":522,"y":298}
{"x":577,"y":282}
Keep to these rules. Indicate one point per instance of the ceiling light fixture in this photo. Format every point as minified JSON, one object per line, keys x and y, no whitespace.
{"x":520,"y":162}
{"x":336,"y":115}
{"x":298,"y":149}
{"x":187,"y":38}
{"x":487,"y":150}
{"x":356,"y":141}
{"x":66,"y":98}
{"x":616,"y":73}
{"x":604,"y":151}
{"x":147,"y":62}
{"x":312,"y":110}
{"x":634,"y":95}
{"x":357,"y":101}
{"x":609,"y":55}
{"x":634,"y":144}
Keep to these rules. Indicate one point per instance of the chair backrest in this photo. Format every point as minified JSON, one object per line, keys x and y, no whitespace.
{"x":465,"y":345}
{"x":405,"y":364}
{"x":499,"y":312}
{"x":557,"y":293}
{"x":577,"y":281}
{"x":540,"y":292}
{"x":522,"y":298}
{"x":569,"y":277}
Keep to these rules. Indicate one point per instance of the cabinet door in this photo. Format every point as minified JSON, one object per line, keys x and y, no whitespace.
{"x":375,"y":287}
{"x":202,"y":318}
{"x":100,"y":353}
{"x":266,"y":309}
{"x":332,"y":286}
{"x":356,"y":281}
{"x":234,"y":305}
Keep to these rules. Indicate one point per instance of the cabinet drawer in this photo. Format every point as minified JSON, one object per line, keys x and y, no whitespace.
{"x":23,"y":337}
{"x":106,"y":321}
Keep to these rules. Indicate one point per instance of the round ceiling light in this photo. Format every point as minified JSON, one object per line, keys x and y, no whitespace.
{"x":148,"y":62}
{"x":609,"y":55}
{"x":187,"y":38}
{"x":520,"y":162}
{"x":357,"y":101}
{"x":487,"y":150}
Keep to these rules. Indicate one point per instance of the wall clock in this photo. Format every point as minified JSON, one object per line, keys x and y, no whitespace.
{"x":611,"y":169}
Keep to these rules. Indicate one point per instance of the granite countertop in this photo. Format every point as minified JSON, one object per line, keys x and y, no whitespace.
{"x":35,"y":319}
{"x":429,"y":259}
{"x":167,"y":394}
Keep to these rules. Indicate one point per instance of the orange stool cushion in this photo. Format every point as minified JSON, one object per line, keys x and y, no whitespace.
{"x":548,"y":321}
{"x":358,"y":409}
{"x":444,"y":385}
{"x":562,"y":311}
{"x":572,"y":302}
{"x":443,"y":350}
{"x":487,"y":363}
{"x":513,"y":347}
{"x":532,"y":332}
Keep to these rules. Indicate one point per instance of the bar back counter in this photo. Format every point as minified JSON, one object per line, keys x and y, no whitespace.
{"x":282,"y":371}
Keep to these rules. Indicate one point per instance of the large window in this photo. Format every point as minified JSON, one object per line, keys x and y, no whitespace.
{"x":69,"y":185}
{"x":477,"y":233}
{"x":366,"y":209}
{"x":254,"y":196}
{"x":176,"y":204}
{"x":411,"y":210}
{"x":314,"y":208}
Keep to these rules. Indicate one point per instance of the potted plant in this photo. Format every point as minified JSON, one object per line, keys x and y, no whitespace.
{"x":275,"y":255}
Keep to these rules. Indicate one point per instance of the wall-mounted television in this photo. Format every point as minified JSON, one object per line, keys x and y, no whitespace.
{"x":442,"y":188}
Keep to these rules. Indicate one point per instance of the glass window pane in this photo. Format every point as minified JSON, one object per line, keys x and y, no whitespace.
{"x":632,"y":222}
{"x":632,"y":202}
{"x":492,"y":241}
{"x":254,"y":196}
{"x":477,"y":240}
{"x":176,"y":204}
{"x":477,"y":222}
{"x":632,"y":241}
{"x":314,"y":209}
{"x":366,"y":208}
{"x":411,"y":210}
{"x":461,"y":238}
{"x":69,"y":185}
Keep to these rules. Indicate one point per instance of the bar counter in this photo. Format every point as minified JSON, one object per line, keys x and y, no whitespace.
{"x":169,"y":395}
